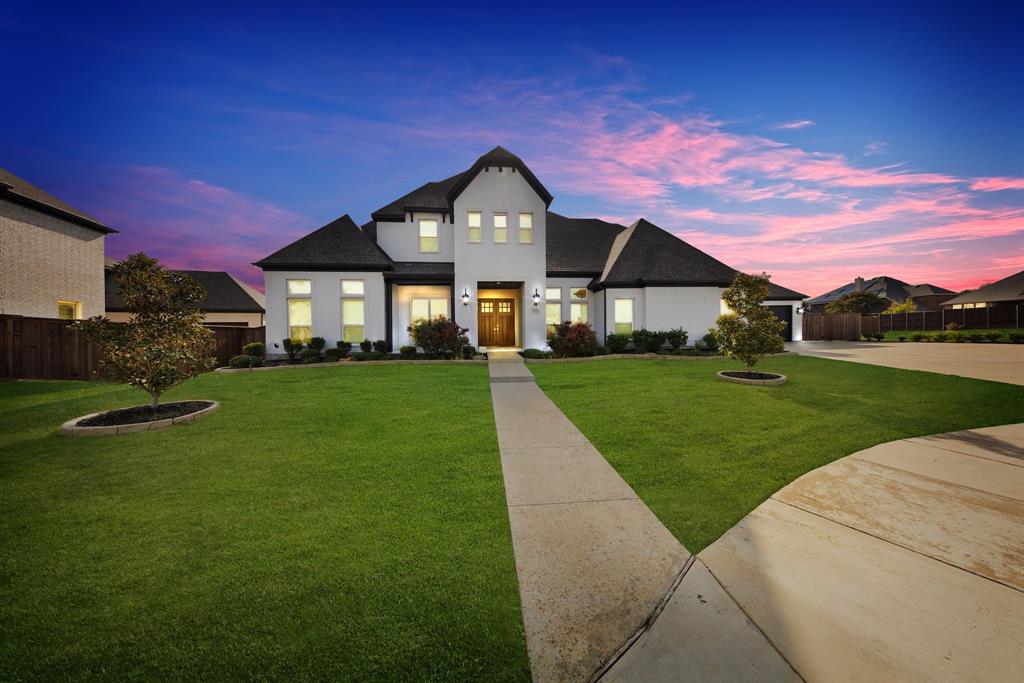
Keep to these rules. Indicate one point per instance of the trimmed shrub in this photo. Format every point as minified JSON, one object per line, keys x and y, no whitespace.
{"x":941,"y":337}
{"x":332,"y":355}
{"x":957,"y":337}
{"x":366,"y":345}
{"x":617,"y":343}
{"x":878,"y":336}
{"x":901,"y":338}
{"x":380,"y":346}
{"x":441,"y":336}
{"x":309,"y":356}
{"x":572,"y":340}
{"x":407,"y":351}
{"x":292,"y":347}
{"x":710,"y":342}
{"x":468,"y":351}
{"x":600,"y":350}
{"x":317,"y":343}
{"x":976,"y":337}
{"x":535,"y":353}
{"x":1016,"y":337}
{"x":993,"y":336}
{"x":366,"y":355}
{"x":254,"y":349}
{"x":676,"y":338}
{"x":918,"y":337}
{"x":246,"y":361}
{"x":648,"y":341}
{"x":345,"y":347}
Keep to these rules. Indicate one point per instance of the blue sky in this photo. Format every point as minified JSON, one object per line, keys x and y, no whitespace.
{"x":819,"y":142}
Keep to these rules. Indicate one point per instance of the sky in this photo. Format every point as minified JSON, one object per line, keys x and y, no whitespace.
{"x":818,"y":143}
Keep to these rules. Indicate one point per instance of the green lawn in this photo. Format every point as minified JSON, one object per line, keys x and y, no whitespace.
{"x":703,"y":453}
{"x":327,"y":523}
{"x":895,"y":335}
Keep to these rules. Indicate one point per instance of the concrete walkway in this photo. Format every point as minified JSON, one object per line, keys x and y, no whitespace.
{"x":901,"y":562}
{"x":594,"y":564}
{"x":997,"y":362}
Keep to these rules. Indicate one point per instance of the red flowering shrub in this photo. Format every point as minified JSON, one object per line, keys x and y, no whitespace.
{"x":570,"y":340}
{"x":440,"y":336}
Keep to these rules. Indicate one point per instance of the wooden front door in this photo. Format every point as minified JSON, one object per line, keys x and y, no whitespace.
{"x":496,"y":322}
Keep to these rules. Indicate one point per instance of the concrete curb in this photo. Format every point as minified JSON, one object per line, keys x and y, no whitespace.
{"x":641,"y":356}
{"x":71,"y":428}
{"x":781,"y":379}
{"x":343,"y":363}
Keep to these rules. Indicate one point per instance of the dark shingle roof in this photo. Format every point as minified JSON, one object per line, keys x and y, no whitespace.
{"x":644,"y":254}
{"x":1008,"y":289}
{"x":883,"y":286}
{"x":927,"y":290}
{"x":20,"y":191}
{"x":440,"y":195}
{"x":418,"y":269}
{"x":339,"y":245}
{"x":579,"y":245}
{"x":780,"y":293}
{"x":223,"y":293}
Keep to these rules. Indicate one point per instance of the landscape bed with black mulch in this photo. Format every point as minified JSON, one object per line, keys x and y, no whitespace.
{"x":126,"y":416}
{"x":740,"y":374}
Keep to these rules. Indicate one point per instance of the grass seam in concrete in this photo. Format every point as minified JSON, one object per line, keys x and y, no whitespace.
{"x":898,"y":545}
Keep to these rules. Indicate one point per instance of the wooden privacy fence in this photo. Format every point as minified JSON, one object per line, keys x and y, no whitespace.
{"x":992,"y":317}
{"x":832,"y":326}
{"x":46,"y":348}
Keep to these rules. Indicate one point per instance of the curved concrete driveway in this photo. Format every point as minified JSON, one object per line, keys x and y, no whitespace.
{"x":996,"y":362}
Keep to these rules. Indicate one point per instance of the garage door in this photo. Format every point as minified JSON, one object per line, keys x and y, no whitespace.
{"x":785,"y":314}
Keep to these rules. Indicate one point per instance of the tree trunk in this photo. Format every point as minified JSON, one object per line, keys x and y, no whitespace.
{"x":154,"y":400}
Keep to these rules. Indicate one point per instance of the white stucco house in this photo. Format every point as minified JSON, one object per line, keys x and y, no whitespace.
{"x":483,"y":248}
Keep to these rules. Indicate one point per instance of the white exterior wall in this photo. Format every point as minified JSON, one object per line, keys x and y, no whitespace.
{"x":798,"y":318}
{"x":43,"y":259}
{"x":326,"y":297}
{"x":511,"y":262}
{"x":695,"y":309}
{"x":401,"y":241}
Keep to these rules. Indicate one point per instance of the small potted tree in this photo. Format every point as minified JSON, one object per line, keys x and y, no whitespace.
{"x":749,"y":331}
{"x":162,"y":345}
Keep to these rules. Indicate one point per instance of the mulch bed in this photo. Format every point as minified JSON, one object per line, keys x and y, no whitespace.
{"x":125,"y":416}
{"x":740,"y":374}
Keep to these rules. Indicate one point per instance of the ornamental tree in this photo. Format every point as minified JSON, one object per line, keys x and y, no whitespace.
{"x":907,"y":306}
{"x":164,"y":343}
{"x":750,"y":330}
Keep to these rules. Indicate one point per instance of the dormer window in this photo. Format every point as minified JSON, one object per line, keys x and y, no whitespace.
{"x":500,"y":228}
{"x":428,"y":236}
{"x":526,"y":228}
{"x":474,"y":219}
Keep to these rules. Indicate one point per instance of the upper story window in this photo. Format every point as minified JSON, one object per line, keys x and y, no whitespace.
{"x":428,"y":236}
{"x":500,"y":228}
{"x":474,"y":219}
{"x":525,"y":228}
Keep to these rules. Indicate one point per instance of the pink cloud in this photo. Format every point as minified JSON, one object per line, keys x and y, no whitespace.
{"x":996,"y":184}
{"x":793,"y":125}
{"x":192,"y":224}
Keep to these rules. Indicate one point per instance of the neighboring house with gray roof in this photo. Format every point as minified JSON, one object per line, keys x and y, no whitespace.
{"x":51,"y":254}
{"x":889,"y":290}
{"x":1006,"y":292}
{"x":228,"y":300}
{"x":483,"y":248}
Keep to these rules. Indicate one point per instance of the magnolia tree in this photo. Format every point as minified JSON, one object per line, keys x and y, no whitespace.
{"x":164,"y":343}
{"x":750,"y":330}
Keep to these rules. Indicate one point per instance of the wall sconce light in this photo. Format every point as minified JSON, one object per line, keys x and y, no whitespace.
{"x":799,"y":310}
{"x":465,"y":296}
{"x":536,"y":297}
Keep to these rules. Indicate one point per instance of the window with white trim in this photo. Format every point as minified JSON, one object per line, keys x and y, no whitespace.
{"x":427,"y":309}
{"x":623,"y":316}
{"x":428,"y":236}
{"x":474,"y":219}
{"x":353,"y":311}
{"x":553,"y":307}
{"x":579,"y":309}
{"x":525,"y":228}
{"x":300,"y":309}
{"x":69,"y":310}
{"x":500,"y":228}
